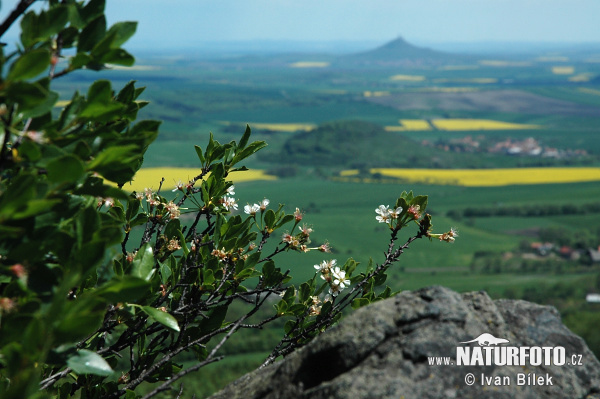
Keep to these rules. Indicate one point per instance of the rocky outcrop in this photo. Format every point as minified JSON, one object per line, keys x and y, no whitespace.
{"x":385,"y":350}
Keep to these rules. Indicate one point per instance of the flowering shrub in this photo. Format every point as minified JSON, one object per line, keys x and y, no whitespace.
{"x":78,"y":317}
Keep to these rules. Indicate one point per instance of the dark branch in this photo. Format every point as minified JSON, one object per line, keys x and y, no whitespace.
{"x":14,"y":15}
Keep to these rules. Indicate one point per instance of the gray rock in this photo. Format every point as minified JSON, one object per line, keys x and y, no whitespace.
{"x":383,"y":351}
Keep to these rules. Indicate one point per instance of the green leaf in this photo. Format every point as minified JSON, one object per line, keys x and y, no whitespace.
{"x":30,"y":65}
{"x":65,"y":169}
{"x":92,"y":34}
{"x":325,"y":310}
{"x":117,"y":57}
{"x":28,"y":28}
{"x":140,"y":219}
{"x":290,"y":294}
{"x":200,"y":154}
{"x":19,"y":193}
{"x":79,"y":60}
{"x":359,"y":303}
{"x":39,"y":28}
{"x":184,"y":246}
{"x":121,"y":32}
{"x":100,"y":105}
{"x":77,"y":319}
{"x":172,"y":229}
{"x":30,"y":150}
{"x":421,"y":201}
{"x":92,"y":10}
{"x":163,"y":318}
{"x":284,"y":220}
{"x":44,"y":107}
{"x":143,"y":263}
{"x":165,"y":272}
{"x":88,"y":362}
{"x":304,"y":292}
{"x":379,"y":279}
{"x":401,"y":202}
{"x":95,"y":186}
{"x":100,"y":92}
{"x":69,"y":36}
{"x":117,"y":164}
{"x":288,"y":326}
{"x":297,"y":309}
{"x":127,"y":93}
{"x":350,"y":266}
{"x":128,"y":288}
{"x":281,"y":307}
{"x":214,"y":320}
{"x":35,"y":207}
{"x":91,"y":254}
{"x":270,"y":218}
{"x":246,"y":152}
{"x":209,"y":277}
{"x":29,"y":96}
{"x":244,"y":139}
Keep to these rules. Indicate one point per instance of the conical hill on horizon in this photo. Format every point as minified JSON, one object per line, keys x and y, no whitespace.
{"x":401,"y":52}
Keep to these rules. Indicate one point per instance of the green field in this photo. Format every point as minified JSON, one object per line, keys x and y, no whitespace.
{"x":196,"y":96}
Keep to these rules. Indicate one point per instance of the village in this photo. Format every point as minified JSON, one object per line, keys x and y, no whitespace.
{"x":529,"y":147}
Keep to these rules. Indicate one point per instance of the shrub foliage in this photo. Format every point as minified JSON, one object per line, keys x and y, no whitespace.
{"x":86,"y":311}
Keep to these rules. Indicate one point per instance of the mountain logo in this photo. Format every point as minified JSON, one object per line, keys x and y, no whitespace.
{"x":486,"y":339}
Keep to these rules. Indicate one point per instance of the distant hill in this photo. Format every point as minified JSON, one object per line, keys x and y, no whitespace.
{"x":357,"y":145}
{"x":400,"y":52}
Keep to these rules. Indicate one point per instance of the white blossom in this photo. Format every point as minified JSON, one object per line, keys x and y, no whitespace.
{"x":263,"y":204}
{"x":251,"y":209}
{"x":229,"y":202}
{"x":383,"y":214}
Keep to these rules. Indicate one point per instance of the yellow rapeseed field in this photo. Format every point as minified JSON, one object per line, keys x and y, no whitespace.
{"x":134,"y":67}
{"x":309,"y":64}
{"x":589,"y":91}
{"x":450,"y":89}
{"x":458,"y":67}
{"x":280,"y":127}
{"x":458,"y":124}
{"x":409,"y":125}
{"x":580,"y":77}
{"x":369,"y":93}
{"x":563,"y":70}
{"x":552,"y":58}
{"x":62,"y":103}
{"x":488,"y":177}
{"x":151,"y":177}
{"x":504,"y":63}
{"x":408,"y":78}
{"x":467,"y":80}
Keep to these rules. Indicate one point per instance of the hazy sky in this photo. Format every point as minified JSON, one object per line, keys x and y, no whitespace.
{"x":164,"y":23}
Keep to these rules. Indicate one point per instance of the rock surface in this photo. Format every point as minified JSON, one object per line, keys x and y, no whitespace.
{"x":383,"y":351}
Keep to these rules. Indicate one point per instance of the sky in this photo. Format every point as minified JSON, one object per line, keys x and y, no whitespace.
{"x":187,"y":23}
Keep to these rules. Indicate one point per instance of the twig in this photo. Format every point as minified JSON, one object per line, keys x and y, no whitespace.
{"x":16,"y":13}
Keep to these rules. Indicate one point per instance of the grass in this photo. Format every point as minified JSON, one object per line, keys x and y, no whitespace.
{"x":494,"y":284}
{"x":344,"y":214}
